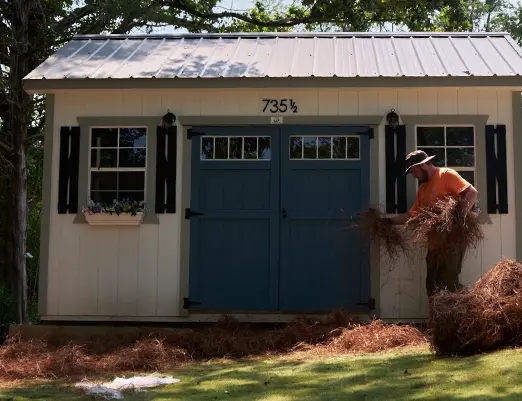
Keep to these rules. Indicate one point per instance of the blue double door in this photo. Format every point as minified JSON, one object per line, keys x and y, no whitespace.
{"x":270,"y":216}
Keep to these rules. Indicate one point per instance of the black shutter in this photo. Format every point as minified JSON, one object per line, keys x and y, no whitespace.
{"x":69,"y":166}
{"x":172,"y":135}
{"x":395,"y":153}
{"x":74,"y":169}
{"x":496,"y":164}
{"x":166,"y":169}
{"x":63,"y":172}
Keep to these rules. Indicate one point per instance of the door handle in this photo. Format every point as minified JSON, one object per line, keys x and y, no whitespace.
{"x":284,"y":213}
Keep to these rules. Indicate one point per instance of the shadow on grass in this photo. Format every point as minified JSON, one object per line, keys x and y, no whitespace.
{"x":399,"y":376}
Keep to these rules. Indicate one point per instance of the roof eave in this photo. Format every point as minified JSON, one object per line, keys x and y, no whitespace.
{"x":290,"y":35}
{"x":52,"y":85}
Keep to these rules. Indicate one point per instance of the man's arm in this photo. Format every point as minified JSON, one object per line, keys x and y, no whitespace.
{"x":458,"y":185}
{"x":469,"y":196}
{"x":400,"y":218}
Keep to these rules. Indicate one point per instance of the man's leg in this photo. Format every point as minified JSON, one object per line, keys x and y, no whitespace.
{"x":432,"y":272}
{"x":450,"y":270}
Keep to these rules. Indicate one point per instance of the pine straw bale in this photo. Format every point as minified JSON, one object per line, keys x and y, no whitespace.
{"x":384,"y":236}
{"x":484,"y":318}
{"x":503,"y":279}
{"x":469,"y":322}
{"x":445,"y":224}
{"x":39,"y":359}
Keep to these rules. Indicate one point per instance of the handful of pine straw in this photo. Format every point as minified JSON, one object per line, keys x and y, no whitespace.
{"x":446,"y":224}
{"x":382,"y":234}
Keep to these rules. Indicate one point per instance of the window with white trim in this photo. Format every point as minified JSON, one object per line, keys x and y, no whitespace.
{"x":338,"y":147}
{"x":117,"y":164}
{"x":452,"y":146}
{"x":235,"y":148}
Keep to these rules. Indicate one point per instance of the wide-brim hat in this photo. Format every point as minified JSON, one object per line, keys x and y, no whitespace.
{"x":415,"y":158}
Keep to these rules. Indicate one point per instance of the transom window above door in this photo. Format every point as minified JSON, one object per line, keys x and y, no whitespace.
{"x":118,"y":159}
{"x":452,"y":146}
{"x":235,"y":148}
{"x":325,"y":147}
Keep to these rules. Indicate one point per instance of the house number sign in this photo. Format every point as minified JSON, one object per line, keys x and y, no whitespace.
{"x":279,"y":106}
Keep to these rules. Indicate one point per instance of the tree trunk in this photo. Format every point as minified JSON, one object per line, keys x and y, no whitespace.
{"x":19,"y":107}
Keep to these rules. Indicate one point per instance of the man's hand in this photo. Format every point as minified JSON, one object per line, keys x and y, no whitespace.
{"x":400,"y":218}
{"x":387,"y":220}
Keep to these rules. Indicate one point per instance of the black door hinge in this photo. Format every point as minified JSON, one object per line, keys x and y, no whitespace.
{"x":187,"y":303}
{"x":189,"y":213}
{"x":371,"y":133}
{"x":191,"y":133}
{"x":370,"y":304}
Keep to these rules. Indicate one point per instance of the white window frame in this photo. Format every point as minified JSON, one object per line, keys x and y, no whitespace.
{"x":117,"y":148}
{"x":346,"y":159}
{"x":445,"y":126}
{"x":228,"y":137}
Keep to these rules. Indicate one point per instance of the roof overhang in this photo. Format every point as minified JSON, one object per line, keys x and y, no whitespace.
{"x":54,"y":85}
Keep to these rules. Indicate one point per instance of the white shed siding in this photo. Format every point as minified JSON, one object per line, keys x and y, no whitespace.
{"x":135,"y":272}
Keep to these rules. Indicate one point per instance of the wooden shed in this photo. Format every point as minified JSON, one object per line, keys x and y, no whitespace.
{"x":277,"y":142}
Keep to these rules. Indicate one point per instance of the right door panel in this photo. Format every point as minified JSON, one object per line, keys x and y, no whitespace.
{"x":324,"y":183}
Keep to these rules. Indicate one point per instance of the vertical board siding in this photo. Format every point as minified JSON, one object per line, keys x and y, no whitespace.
{"x":147,"y":270}
{"x":108,"y":271}
{"x":128,"y":258}
{"x":107,"y":302}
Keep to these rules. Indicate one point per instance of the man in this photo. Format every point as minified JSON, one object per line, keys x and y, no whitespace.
{"x":435,"y":183}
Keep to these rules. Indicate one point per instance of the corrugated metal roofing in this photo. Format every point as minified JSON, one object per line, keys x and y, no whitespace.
{"x":284,"y":55}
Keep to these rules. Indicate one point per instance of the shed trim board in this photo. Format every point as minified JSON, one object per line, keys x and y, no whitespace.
{"x":86,"y":123}
{"x":517,"y":146}
{"x":53,"y":85}
{"x":372,"y":121}
{"x":45,"y":223}
{"x":256,"y":211}
{"x":479,"y":124}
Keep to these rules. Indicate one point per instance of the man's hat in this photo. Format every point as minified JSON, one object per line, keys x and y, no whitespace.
{"x":415,"y":158}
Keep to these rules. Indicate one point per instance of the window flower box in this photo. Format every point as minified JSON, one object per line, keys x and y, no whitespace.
{"x":108,"y":219}
{"x":119,"y":213}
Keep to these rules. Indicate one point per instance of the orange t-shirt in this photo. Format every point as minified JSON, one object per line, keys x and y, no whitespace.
{"x":445,"y":181}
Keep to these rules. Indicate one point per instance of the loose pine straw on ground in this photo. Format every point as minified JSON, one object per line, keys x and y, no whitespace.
{"x":483,"y":318}
{"x":39,"y":359}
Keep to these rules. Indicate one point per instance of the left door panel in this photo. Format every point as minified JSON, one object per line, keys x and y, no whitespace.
{"x":234,"y":242}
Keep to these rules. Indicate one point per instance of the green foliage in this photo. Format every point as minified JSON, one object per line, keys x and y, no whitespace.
{"x":34,"y":197}
{"x":6,"y":311}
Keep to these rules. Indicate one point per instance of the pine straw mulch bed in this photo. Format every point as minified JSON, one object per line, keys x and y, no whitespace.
{"x":31,"y":360}
{"x":484,"y":318}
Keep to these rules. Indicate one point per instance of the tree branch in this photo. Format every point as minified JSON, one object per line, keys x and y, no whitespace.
{"x":8,"y":148}
{"x":283,"y":22}
{"x":35,"y":137}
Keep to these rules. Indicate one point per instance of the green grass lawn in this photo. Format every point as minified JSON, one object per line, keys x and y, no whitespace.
{"x":413,"y":374}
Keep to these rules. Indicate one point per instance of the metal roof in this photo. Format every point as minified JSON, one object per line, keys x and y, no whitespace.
{"x":258,"y":55}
